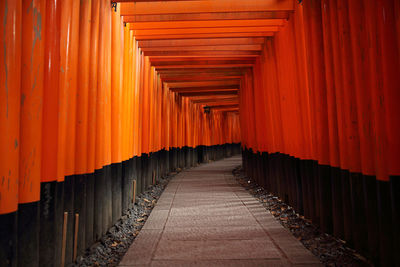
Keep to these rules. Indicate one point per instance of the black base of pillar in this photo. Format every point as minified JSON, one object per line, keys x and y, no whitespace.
{"x":90,"y":199}
{"x":8,"y":240}
{"x":48,"y":224}
{"x":28,"y":234}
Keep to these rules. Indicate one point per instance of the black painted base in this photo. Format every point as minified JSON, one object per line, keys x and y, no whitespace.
{"x":8,"y":240}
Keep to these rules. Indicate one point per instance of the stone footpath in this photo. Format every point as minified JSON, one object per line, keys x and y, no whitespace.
{"x":205,"y":218}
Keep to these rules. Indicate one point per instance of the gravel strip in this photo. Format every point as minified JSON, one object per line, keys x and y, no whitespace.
{"x":330,"y":250}
{"x":114,"y":244}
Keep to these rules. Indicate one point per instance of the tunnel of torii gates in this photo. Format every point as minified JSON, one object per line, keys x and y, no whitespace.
{"x":98,"y":100}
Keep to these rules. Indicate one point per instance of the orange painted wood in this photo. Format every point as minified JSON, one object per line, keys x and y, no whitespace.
{"x":203,"y":83}
{"x":130,"y":94}
{"x":362,"y":86}
{"x":106,"y":30}
{"x":65,"y":69}
{"x":152,"y":109}
{"x":330,"y":87}
{"x":82,"y":101}
{"x":32,"y":53}
{"x":206,"y":24}
{"x":208,"y":16}
{"x":337,"y":68}
{"x":201,"y":42}
{"x":194,"y":31}
{"x":314,"y":38}
{"x":217,"y":54}
{"x":207,"y":48}
{"x":50,"y":93}
{"x":375,"y":78}
{"x":315,"y":81}
{"x":196,"y":62}
{"x":136,"y":104}
{"x":71,"y":94}
{"x":205,"y":6}
{"x":124,"y":104}
{"x":203,"y":89}
{"x":93,"y":74}
{"x":206,"y":35}
{"x":10,"y":103}
{"x":146,"y":107}
{"x":100,"y":157}
{"x":389,"y":44}
{"x":141,"y":66}
{"x":191,"y":77}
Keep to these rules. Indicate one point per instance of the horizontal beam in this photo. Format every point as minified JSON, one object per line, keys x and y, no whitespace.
{"x":134,"y":1}
{"x":205,"y":24}
{"x":236,"y":47}
{"x":213,"y":99}
{"x":204,"y":35}
{"x":223,"y":83}
{"x":263,"y":29}
{"x":200,"y":64}
{"x":182,"y":91}
{"x":168,"y":78}
{"x":224,"y":106}
{"x":225,"y":109}
{"x":208,"y":102}
{"x":202,"y":71}
{"x":232,"y":92}
{"x":148,"y":8}
{"x":201,"y":42}
{"x":203,"y":60}
{"x":232,"y":53}
{"x":205,"y":66}
{"x":205,"y":88}
{"x":208,"y":16}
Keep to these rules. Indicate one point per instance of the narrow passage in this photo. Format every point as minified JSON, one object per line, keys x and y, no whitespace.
{"x":204,"y":218}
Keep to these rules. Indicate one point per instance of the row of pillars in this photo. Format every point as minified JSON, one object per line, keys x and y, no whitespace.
{"x":33,"y":236}
{"x":351,"y":206}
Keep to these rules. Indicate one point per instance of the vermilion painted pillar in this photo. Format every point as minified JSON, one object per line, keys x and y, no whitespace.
{"x":10,"y":104}
{"x":10,"y":97}
{"x":82,"y":184}
{"x":81,"y":159}
{"x":91,"y":126}
{"x":314,"y":38}
{"x":116,"y":113}
{"x":334,"y":156}
{"x":51,"y":200}
{"x":32,"y":55}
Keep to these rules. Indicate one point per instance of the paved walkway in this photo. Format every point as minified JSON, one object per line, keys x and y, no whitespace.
{"x":204,"y":218}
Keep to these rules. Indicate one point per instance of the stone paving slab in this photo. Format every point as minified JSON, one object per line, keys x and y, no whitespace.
{"x":216,"y":249}
{"x":221,"y":263}
{"x":214,"y":233}
{"x":204,"y":218}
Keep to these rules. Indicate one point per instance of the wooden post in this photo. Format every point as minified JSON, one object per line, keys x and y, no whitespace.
{"x":76,"y":234}
{"x":134,"y":191}
{"x":64,"y":238}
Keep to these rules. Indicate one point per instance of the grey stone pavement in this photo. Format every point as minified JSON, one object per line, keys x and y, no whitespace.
{"x":204,"y":218}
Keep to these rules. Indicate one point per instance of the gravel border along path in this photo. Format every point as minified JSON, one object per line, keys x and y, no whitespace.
{"x":330,"y":250}
{"x":114,"y":244}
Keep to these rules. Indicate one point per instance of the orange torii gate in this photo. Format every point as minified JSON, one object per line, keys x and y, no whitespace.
{"x":98,"y":97}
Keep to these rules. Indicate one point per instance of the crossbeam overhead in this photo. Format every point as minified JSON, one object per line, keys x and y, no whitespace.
{"x":171,"y":7}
